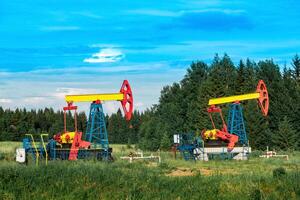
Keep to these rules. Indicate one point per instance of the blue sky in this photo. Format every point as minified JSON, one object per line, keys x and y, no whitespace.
{"x":52,"y":48}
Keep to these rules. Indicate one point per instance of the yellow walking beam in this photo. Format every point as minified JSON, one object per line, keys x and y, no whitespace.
{"x":235,"y":98}
{"x":94,"y":97}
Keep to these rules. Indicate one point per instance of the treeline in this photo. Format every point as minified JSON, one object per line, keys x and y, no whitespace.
{"x":14,"y":124}
{"x":182,"y":106}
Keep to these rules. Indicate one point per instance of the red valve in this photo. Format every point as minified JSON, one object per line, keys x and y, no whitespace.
{"x":263,"y":100}
{"x":127,"y":102}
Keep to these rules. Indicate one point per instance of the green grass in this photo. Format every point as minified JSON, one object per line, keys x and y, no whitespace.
{"x":9,"y":147}
{"x":252,"y":166}
{"x":172,"y":179}
{"x":120,"y":180}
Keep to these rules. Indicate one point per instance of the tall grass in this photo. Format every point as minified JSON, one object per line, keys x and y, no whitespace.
{"x":253,"y":179}
{"x":9,"y":147}
{"x":94,"y":180}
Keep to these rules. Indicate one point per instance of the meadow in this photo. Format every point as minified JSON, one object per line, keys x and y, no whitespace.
{"x":256,"y":178}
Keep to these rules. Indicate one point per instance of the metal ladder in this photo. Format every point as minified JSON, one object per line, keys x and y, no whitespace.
{"x":31,"y":145}
{"x":36,"y":151}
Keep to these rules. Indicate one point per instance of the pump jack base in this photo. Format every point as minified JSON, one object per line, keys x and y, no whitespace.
{"x":207,"y":153}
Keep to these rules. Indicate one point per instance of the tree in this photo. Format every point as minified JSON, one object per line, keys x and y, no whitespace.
{"x":286,"y":137}
{"x":296,"y":68}
{"x":296,"y":93}
{"x":191,"y":84}
{"x":165,"y":143}
{"x":150,"y":138}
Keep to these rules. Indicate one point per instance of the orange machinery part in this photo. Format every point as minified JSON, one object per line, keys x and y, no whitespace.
{"x":76,"y":145}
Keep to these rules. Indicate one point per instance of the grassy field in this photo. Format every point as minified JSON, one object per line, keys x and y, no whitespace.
{"x":172,"y":179}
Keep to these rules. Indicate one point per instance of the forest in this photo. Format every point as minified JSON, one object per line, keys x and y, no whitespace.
{"x":182,"y":108}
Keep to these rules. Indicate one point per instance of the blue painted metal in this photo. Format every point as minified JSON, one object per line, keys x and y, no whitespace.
{"x":52,"y":149}
{"x":236,"y":124}
{"x":57,"y":152}
{"x":187,"y":151}
{"x":188,"y":144}
{"x":96,"y":128}
{"x":27,"y":145}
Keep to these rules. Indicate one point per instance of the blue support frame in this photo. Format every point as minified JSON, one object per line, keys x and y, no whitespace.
{"x":27,"y":145}
{"x":188,"y":143}
{"x":52,"y":149}
{"x":236,"y":124}
{"x":96,"y":127}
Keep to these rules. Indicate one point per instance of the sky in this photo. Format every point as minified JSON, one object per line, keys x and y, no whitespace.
{"x":52,"y":48}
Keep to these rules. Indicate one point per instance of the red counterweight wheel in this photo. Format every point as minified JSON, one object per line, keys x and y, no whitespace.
{"x":263,"y":100}
{"x":127,"y":102}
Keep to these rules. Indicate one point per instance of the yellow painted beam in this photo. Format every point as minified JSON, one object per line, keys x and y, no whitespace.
{"x":94,"y":97}
{"x":230,"y":99}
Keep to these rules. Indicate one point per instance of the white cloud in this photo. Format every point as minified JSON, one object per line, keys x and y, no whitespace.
{"x":61,"y":92}
{"x":111,"y":106}
{"x":78,"y":71}
{"x":226,"y":11}
{"x":138,"y":104}
{"x":60,"y":28}
{"x":87,"y":14}
{"x":161,"y":13}
{"x":167,"y":13}
{"x":5,"y":100}
{"x":104,"y":46}
{"x":34,"y":100}
{"x":106,"y":55}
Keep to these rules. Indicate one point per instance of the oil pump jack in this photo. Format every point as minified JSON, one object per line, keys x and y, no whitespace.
{"x":96,"y":133}
{"x":235,"y":132}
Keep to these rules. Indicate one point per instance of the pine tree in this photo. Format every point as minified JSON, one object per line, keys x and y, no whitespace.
{"x":257,"y":126}
{"x":82,"y":122}
{"x":286,"y":137}
{"x":296,"y":68}
{"x":241,"y":77}
{"x":191,"y":84}
{"x":165,"y":143}
{"x":296,"y":98}
{"x":150,"y":138}
{"x":170,"y":110}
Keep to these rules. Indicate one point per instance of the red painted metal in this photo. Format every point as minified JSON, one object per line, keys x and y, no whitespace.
{"x":231,"y":139}
{"x":76,"y":145}
{"x":97,"y":102}
{"x":57,"y":138}
{"x":70,"y":107}
{"x":127,"y":102}
{"x":263,"y":100}
{"x":77,"y":141}
{"x":215,"y":109}
{"x":222,"y":134}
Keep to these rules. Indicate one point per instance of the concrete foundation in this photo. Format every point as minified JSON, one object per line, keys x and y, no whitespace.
{"x":238,"y":153}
